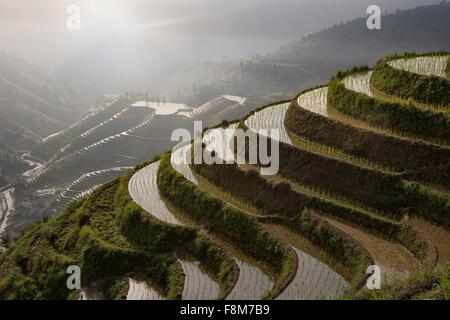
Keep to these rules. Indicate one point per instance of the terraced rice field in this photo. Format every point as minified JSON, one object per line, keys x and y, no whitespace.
{"x":428,"y":66}
{"x":128,"y":149}
{"x":7,"y":207}
{"x":315,"y":101}
{"x":359,"y":82}
{"x":300,"y":288}
{"x":54,"y":145}
{"x":140,"y":290}
{"x":197,"y":284}
{"x":94,"y":112}
{"x":112,"y":135}
{"x":394,"y":260}
{"x":314,"y":280}
{"x":53,"y":135}
{"x":103,"y":123}
{"x":85,"y":184}
{"x":216,"y":140}
{"x":270,"y":118}
{"x":180,"y":160}
{"x":84,"y":150}
{"x":107,"y":130}
{"x":252,"y":283}
{"x":143,"y":189}
{"x":220,"y":104}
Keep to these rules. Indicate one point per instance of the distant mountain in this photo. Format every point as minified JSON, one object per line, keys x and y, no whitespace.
{"x":421,"y":29}
{"x":313,"y":59}
{"x":33,"y":104}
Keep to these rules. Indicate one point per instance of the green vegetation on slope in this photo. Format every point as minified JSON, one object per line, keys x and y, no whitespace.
{"x":406,"y":85}
{"x":155,"y":236}
{"x":110,"y":238}
{"x":227,"y":222}
{"x":420,"y":161}
{"x":85,"y":234}
{"x":401,"y":118}
{"x":279,"y":200}
{"x":434,"y":284}
{"x":284,"y":206}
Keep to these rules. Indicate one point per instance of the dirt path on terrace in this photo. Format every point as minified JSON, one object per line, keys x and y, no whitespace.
{"x":439,"y":236}
{"x":394,"y":259}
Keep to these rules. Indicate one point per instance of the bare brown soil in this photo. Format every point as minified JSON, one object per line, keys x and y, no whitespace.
{"x":394,"y":259}
{"x":439,"y":236}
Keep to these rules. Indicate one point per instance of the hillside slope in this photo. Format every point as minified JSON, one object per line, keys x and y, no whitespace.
{"x":313,"y":59}
{"x":353,"y":190}
{"x":33,"y":103}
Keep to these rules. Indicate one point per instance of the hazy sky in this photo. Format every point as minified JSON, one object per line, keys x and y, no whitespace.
{"x":36,"y":29}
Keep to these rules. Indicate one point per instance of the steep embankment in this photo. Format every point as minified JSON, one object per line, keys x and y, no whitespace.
{"x":311,"y":120}
{"x":359,"y":183}
{"x":351,"y":95}
{"x":376,"y":246}
{"x":309,"y":269}
{"x":307,"y":119}
{"x":144,"y":191}
{"x":242,"y":233}
{"x":420,"y":78}
{"x":88,"y":234}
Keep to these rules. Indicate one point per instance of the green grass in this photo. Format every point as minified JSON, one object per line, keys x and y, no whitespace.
{"x":432,"y":91}
{"x":86,"y":234}
{"x":223,"y":221}
{"x":111,"y":238}
{"x":432,"y":284}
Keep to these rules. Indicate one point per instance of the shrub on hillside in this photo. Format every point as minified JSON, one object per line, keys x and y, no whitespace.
{"x":408,"y":85}
{"x":425,"y":161}
{"x":398,"y":117}
{"x":231,"y":223}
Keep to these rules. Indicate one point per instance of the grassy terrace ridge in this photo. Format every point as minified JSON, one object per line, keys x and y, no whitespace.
{"x":429,"y":90}
{"x":378,"y":191}
{"x":236,"y":210}
{"x":404,"y":119}
{"x":335,"y":248}
{"x":432,"y":284}
{"x":227,"y":223}
{"x":279,"y":202}
{"x":320,"y":172}
{"x":415,"y":160}
{"x":186,"y":242}
{"x":111,"y":239}
{"x":87,"y":234}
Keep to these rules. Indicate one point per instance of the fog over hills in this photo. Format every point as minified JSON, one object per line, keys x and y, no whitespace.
{"x":161,"y":45}
{"x":33,"y":103}
{"x":311,"y":60}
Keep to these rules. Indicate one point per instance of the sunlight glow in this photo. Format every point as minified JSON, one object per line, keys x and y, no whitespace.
{"x":111,"y":14}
